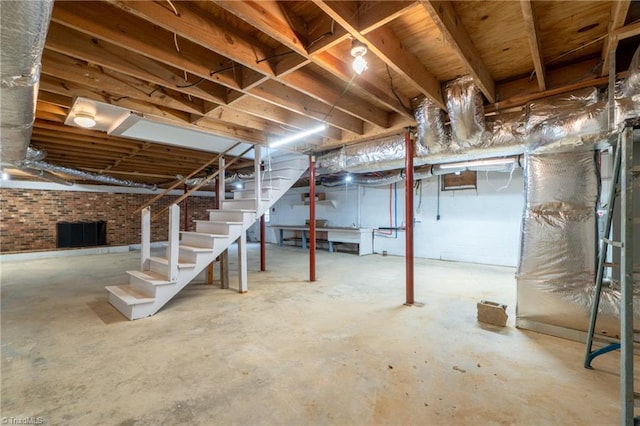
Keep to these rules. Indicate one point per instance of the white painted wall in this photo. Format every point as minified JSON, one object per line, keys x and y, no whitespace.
{"x":481,"y":226}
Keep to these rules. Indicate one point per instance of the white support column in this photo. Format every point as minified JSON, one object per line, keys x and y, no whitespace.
{"x":174,"y":241}
{"x":221,"y":183}
{"x":242,"y":263}
{"x":257,"y":160}
{"x":145,"y":227}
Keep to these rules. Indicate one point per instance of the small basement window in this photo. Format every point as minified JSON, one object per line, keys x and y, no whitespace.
{"x":463,"y":180}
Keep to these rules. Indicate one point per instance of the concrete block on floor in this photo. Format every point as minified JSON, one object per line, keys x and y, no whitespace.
{"x":492,"y":313}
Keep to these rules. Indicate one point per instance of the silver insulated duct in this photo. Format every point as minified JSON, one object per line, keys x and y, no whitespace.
{"x":557,"y":267}
{"x":23,"y":29}
{"x":431,"y":132}
{"x":466,"y":112}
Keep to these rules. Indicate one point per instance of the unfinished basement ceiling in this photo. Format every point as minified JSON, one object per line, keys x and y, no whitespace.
{"x":256,"y":71}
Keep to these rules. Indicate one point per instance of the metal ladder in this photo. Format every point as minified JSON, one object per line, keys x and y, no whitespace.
{"x":622,"y":177}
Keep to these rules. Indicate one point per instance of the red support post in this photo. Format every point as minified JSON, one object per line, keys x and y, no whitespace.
{"x":263,"y":244}
{"x":408,"y":196}
{"x":312,"y":218}
{"x":186,"y":209}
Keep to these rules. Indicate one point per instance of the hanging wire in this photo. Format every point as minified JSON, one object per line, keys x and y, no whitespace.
{"x":393,"y":90}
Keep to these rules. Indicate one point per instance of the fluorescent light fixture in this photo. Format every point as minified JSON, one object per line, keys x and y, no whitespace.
{"x":5,"y":176}
{"x":487,"y":162}
{"x":358,"y":50}
{"x":238,"y":185}
{"x":348,"y":178}
{"x":298,"y":136}
{"x":84,"y":119}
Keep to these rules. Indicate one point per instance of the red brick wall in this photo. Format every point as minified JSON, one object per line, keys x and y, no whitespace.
{"x":28,"y":217}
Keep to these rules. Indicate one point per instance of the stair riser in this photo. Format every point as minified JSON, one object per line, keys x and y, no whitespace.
{"x":188,"y":256}
{"x":274,"y":183}
{"x":243,"y":195}
{"x":159,"y":268}
{"x":142,"y":285}
{"x":215,"y":228}
{"x":239,"y":204}
{"x":198,"y":241}
{"x":126,"y":310}
{"x":221,"y":215}
{"x":298,"y":163}
{"x":286,"y":173}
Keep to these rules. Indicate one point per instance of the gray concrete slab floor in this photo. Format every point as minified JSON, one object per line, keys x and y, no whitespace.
{"x":342,"y":350}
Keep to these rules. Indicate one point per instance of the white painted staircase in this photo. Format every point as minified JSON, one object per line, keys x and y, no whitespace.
{"x":161,"y":278}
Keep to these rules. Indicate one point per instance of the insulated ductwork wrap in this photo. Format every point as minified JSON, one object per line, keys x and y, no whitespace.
{"x":23,"y":29}
{"x":41,"y":165}
{"x":556,"y":272}
{"x":379,"y":155}
{"x":631,"y":84}
{"x":466,"y":113}
{"x":565,"y":122}
{"x":431,"y":132}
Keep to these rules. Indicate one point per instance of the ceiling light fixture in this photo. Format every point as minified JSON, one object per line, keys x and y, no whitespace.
{"x":84,"y":119}
{"x":358,"y":50}
{"x":298,"y":136}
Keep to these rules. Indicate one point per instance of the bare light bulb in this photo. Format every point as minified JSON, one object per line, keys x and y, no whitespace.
{"x":359,"y":64}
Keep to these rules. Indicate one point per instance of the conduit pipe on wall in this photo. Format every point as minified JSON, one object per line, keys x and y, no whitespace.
{"x":23,"y":29}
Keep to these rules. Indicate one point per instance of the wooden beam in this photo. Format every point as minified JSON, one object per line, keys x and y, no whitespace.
{"x":192,"y":25}
{"x":370,"y":84}
{"x":286,"y":97}
{"x":78,"y":45}
{"x":289,"y":120}
{"x":559,"y":80}
{"x":374,"y":15}
{"x":307,"y":83}
{"x":531,"y":26}
{"x":269,"y":17}
{"x":387,"y":46}
{"x":619,"y":10}
{"x":446,"y":19}
{"x":116,"y":84}
{"x":68,"y":88}
{"x":627,"y":31}
{"x":341,"y":13}
{"x":141,"y":37}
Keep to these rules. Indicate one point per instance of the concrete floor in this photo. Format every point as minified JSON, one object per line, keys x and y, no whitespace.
{"x":342,"y":350}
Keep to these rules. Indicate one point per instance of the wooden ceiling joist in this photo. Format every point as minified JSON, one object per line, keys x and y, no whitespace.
{"x":533,"y":34}
{"x":619,"y":10}
{"x":445,"y":17}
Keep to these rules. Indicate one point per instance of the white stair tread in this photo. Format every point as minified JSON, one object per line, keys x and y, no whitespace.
{"x":232,"y":210}
{"x":196,"y":249}
{"x":274,"y":177}
{"x":151,"y":277}
{"x":129,"y":294}
{"x":204,"y":234}
{"x":223,"y":222}
{"x":264,"y":188}
{"x":165,"y":261}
